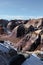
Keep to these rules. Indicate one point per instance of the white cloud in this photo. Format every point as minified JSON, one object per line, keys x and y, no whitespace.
{"x":9,"y":17}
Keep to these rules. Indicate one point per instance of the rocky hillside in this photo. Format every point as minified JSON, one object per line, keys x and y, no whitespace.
{"x":20,"y":30}
{"x":24,"y":35}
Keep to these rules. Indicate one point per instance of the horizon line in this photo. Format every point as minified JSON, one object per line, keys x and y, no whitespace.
{"x":19,"y":17}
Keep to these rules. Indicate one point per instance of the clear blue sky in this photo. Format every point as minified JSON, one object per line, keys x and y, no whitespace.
{"x":10,"y":9}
